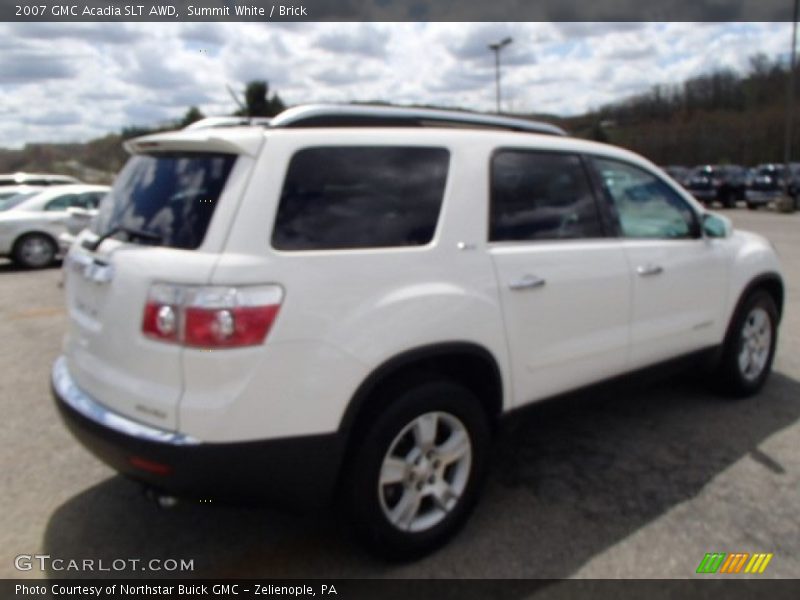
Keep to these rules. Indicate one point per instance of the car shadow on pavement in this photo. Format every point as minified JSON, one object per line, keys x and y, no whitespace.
{"x":8,"y":266}
{"x":571,"y":479}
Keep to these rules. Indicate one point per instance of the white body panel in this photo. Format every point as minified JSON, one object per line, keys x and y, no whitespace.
{"x":574,"y":328}
{"x":680,"y":308}
{"x":107,"y":354}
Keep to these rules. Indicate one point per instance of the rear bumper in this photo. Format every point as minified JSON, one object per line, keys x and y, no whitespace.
{"x":294,"y":472}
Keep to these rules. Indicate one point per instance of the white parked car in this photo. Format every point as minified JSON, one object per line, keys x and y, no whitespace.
{"x":38,"y":179}
{"x":31,"y":225}
{"x":347,"y":302}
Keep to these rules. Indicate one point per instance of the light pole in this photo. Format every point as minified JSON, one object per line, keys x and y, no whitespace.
{"x":787,"y":148}
{"x":496,"y":47}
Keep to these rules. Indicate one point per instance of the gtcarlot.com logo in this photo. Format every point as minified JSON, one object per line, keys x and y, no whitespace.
{"x":45,"y":562}
{"x":734,"y":563}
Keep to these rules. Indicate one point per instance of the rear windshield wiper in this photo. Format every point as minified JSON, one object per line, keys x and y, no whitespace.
{"x":132,"y":233}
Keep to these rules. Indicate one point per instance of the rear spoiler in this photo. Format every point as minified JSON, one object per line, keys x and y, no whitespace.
{"x":245,"y":141}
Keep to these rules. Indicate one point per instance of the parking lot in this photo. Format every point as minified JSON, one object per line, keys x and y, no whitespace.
{"x":635,"y":481}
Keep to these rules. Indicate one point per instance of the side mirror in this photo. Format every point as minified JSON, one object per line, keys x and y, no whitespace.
{"x":716,"y":226}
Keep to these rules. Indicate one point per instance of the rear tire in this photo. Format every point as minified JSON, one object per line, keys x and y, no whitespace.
{"x":749,"y":346}
{"x":752,"y":205}
{"x":418,"y":470}
{"x":34,"y":251}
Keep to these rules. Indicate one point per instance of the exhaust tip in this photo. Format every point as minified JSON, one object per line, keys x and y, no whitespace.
{"x":161,"y":500}
{"x":166,"y":502}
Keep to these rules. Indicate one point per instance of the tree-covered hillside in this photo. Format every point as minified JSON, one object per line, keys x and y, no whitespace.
{"x":718,"y":117}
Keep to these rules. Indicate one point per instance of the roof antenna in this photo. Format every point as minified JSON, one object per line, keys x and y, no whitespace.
{"x":238,"y":102}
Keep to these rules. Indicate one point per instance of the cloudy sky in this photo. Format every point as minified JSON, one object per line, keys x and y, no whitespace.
{"x":76,"y":81}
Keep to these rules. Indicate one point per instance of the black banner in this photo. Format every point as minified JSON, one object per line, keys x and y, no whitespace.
{"x":394,"y":10}
{"x":407,"y":589}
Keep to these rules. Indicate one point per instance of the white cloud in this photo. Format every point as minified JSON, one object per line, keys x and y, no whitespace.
{"x":74,"y":81}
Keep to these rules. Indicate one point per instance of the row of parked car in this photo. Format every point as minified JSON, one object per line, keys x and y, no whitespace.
{"x":40,"y":215}
{"x":729,"y":184}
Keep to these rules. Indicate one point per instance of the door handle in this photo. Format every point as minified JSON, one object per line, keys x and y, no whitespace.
{"x":649,"y":270}
{"x":527,"y":282}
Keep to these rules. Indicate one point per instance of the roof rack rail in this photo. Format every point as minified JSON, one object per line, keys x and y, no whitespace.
{"x":343,"y":115}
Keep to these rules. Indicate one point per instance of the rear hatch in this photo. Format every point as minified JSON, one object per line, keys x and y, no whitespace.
{"x":165,"y":220}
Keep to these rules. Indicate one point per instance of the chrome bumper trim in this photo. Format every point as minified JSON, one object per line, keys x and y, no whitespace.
{"x":73,"y":396}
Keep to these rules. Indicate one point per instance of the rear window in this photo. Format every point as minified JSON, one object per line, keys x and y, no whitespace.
{"x":360,"y":197}
{"x":172,"y":196}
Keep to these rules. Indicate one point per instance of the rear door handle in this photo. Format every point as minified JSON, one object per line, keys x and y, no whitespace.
{"x":527,"y":282}
{"x":649,"y":270}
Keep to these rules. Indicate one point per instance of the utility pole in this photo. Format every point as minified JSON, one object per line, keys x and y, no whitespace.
{"x":496,"y":47}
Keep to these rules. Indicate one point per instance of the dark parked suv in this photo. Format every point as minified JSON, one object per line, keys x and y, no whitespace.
{"x":767,"y":184}
{"x":718,"y":183}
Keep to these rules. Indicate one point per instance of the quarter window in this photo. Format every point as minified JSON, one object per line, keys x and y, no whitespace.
{"x":541,"y":196}
{"x":360,"y":197}
{"x":645,"y":205}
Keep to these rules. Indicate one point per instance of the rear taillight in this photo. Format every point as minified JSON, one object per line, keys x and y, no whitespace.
{"x":211,"y":317}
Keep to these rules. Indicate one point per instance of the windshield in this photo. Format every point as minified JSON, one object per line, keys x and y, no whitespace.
{"x":172,"y":196}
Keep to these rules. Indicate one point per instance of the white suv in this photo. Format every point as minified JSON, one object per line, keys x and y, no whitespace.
{"x":346,"y":302}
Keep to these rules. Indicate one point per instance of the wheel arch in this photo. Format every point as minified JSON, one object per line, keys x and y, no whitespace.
{"x":464,"y":362}
{"x":770,"y":282}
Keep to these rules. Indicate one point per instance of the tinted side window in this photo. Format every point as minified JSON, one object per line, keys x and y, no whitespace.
{"x":646,"y":206}
{"x":541,"y":196}
{"x":89,"y":201}
{"x":358,"y":197}
{"x":61,"y":202}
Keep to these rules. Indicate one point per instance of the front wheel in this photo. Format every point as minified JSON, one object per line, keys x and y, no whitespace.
{"x":750,"y":346}
{"x":418,"y":470}
{"x":34,"y":251}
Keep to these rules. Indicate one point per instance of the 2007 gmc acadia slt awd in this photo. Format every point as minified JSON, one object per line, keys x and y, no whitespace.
{"x":343,"y":302}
